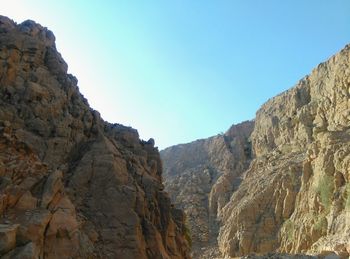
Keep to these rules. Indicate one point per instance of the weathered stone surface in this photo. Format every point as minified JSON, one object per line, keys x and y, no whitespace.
{"x":279,"y":256}
{"x":7,"y":237}
{"x":201,"y":176}
{"x":27,"y":251}
{"x":294,"y":198}
{"x":291,"y":196}
{"x":77,"y":187}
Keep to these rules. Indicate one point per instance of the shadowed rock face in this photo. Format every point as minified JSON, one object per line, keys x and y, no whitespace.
{"x":291,"y":195}
{"x":72,"y":185}
{"x":201,"y":176}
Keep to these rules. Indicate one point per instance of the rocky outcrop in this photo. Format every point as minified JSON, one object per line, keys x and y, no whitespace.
{"x":201,"y":176}
{"x":295,"y":197}
{"x":71,"y":184}
{"x":291,"y":194}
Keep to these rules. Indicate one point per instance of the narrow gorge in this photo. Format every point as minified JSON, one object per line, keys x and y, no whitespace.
{"x":75,"y":186}
{"x":280,"y":183}
{"x":201,"y":177}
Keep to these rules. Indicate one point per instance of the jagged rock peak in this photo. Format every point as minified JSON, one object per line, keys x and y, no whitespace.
{"x":28,"y":27}
{"x":72,"y":185}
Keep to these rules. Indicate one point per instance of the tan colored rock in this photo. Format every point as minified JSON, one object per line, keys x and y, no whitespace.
{"x":201,"y":176}
{"x":32,"y":225}
{"x":52,"y":186}
{"x":7,"y":237}
{"x":26,"y":202}
{"x":294,"y":197}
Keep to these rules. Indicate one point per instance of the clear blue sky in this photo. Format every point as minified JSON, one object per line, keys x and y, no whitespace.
{"x":181,"y":70}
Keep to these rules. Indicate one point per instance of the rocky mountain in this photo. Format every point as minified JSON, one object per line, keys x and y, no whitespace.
{"x":202,"y":175}
{"x":291,"y":195}
{"x":71,"y":184}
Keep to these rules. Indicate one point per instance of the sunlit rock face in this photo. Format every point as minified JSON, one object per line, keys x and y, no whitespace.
{"x":71,"y":184}
{"x":201,"y":176}
{"x":293,"y":195}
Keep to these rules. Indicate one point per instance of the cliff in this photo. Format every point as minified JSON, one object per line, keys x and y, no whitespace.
{"x":294,"y":195}
{"x":201,"y":176}
{"x":71,"y":184}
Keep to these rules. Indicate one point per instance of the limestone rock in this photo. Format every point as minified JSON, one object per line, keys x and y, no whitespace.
{"x":74,"y":185}
{"x":290,"y":195}
{"x":201,"y":176}
{"x":294,"y":198}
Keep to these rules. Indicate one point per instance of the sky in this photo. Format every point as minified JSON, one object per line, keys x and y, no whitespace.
{"x":180,"y":70}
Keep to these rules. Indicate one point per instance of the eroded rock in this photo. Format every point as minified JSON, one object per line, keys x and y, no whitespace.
{"x":292,"y":195}
{"x":201,"y":176}
{"x":74,"y":185}
{"x":294,"y":198}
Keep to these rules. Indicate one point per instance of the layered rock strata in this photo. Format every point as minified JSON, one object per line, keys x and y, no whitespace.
{"x":71,"y":184}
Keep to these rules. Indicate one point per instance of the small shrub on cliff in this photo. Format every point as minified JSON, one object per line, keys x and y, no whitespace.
{"x":321,"y":223}
{"x":289,"y":227}
{"x":347,"y":202}
{"x":294,"y":177}
{"x":187,"y":234}
{"x":325,"y":190}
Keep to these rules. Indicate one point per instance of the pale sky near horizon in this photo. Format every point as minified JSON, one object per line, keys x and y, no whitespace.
{"x":182,"y":70}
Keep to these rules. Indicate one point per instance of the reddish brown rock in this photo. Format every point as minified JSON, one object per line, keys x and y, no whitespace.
{"x":75,"y":185}
{"x":7,"y":237}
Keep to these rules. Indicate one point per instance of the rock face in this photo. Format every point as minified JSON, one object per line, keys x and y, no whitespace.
{"x":294,"y":197}
{"x":201,"y":176}
{"x":72,"y":185}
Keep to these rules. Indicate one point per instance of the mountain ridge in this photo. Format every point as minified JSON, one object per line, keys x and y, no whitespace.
{"x":73,"y":185}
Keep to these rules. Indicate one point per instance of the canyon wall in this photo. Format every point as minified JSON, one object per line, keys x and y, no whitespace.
{"x":201,"y":176}
{"x":71,"y":184}
{"x":75,"y":186}
{"x":293,"y":196}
